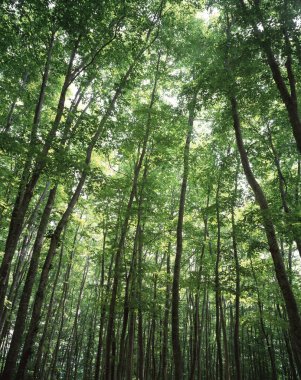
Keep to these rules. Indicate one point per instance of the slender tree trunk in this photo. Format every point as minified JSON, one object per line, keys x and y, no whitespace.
{"x":104,"y":300}
{"x":129,"y":367}
{"x":176,"y":343}
{"x":164,"y":353}
{"x":74,"y":335}
{"x":236,"y":340}
{"x":126,"y":311}
{"x":195,"y":364}
{"x":39,"y":366}
{"x":267,"y":339}
{"x":219,"y":355}
{"x":60,"y":316}
{"x":225,"y":342}
{"x":195,"y":336}
{"x":88,"y":356}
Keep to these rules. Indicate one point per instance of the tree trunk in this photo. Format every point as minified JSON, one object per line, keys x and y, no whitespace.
{"x":281,"y":275}
{"x":237,"y":287}
{"x":26,"y":189}
{"x":218,"y":325}
{"x":164,"y":353}
{"x":289,"y":98}
{"x":176,"y":343}
{"x":39,"y":366}
{"x":11,"y":360}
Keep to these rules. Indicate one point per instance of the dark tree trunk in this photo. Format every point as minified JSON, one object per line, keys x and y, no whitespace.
{"x":15,"y":345}
{"x":267,"y":339}
{"x":39,"y":365}
{"x":164,"y":354}
{"x":218,"y":324}
{"x":176,"y":343}
{"x":237,"y":288}
{"x":289,"y":98}
{"x":281,"y":275}
{"x":27,"y":186}
{"x":72,"y":354}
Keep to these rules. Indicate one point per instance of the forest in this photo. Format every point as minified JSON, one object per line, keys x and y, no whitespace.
{"x":150,"y":198}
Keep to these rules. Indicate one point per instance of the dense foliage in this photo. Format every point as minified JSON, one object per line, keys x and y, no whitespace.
{"x":150,"y":215}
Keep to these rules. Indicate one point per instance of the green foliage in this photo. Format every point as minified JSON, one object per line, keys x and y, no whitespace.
{"x":211,"y":49}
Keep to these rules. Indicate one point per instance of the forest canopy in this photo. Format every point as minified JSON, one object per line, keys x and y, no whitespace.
{"x":150,"y":212}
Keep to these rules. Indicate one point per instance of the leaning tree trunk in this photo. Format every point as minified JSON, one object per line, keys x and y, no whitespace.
{"x":27,"y":186}
{"x":281,"y":275}
{"x":15,"y":344}
{"x":288,"y":95}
